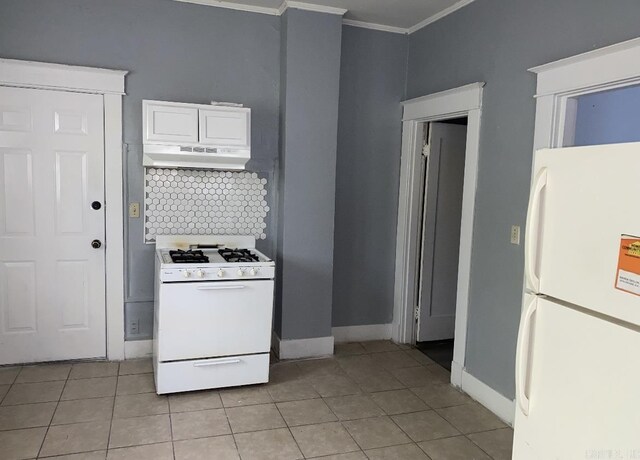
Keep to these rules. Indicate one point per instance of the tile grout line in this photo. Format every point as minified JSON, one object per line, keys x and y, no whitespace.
{"x":173,"y":446}
{"x":289,"y":429}
{"x":10,"y":386}
{"x":344,"y":427}
{"x":54,"y":410}
{"x":475,"y":444}
{"x":113,"y":410}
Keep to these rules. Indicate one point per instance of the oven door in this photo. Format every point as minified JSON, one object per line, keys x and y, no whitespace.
{"x":223,"y":318}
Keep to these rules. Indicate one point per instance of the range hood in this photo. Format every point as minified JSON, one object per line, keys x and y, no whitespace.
{"x":198,"y":156}
{"x":180,"y":135}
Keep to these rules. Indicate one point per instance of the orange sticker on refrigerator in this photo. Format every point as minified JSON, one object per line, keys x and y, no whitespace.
{"x":628,"y":275}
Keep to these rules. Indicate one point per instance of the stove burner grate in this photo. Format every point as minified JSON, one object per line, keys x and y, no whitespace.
{"x":238,"y":255}
{"x":188,"y":257}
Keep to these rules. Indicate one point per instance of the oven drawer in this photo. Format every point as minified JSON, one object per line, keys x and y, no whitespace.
{"x":202,"y":374}
{"x":205,"y":319}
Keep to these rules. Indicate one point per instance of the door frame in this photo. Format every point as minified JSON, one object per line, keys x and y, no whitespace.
{"x":110,"y":84}
{"x":464,"y":101}
{"x":559,"y":82}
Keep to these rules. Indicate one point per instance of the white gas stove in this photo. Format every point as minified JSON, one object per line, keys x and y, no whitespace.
{"x":213,"y":313}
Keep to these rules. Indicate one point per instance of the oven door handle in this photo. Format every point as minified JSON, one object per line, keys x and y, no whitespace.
{"x":216,"y":362}
{"x":221,"y":288}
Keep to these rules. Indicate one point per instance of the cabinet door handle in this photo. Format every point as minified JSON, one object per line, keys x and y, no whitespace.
{"x":216,"y":362}
{"x":221,"y":288}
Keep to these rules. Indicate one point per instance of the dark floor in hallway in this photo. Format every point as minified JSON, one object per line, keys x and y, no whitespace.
{"x":440,"y":351}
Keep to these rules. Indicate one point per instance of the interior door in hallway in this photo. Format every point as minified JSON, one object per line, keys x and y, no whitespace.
{"x":442,"y":210}
{"x":52,"y":229}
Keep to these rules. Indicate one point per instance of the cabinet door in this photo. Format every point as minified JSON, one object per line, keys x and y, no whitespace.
{"x":170,"y":123}
{"x":225,"y":126}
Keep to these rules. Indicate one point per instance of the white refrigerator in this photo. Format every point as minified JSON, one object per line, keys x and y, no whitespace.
{"x":578,"y":353}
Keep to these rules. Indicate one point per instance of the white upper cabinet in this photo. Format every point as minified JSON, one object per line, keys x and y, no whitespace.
{"x":170,"y":122}
{"x":185,"y":124}
{"x":225,"y":126}
{"x":180,"y":135}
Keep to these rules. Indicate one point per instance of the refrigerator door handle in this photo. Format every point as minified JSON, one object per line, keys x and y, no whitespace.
{"x":532,"y":230}
{"x":524,"y":341}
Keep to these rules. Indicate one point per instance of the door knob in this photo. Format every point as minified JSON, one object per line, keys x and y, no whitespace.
{"x":96,"y":244}
{"x":96,"y":205}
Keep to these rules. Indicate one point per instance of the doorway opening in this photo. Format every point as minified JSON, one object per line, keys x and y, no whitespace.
{"x":442,"y":184}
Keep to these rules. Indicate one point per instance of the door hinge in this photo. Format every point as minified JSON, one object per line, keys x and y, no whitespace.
{"x":425,"y":150}
{"x":416,"y":313}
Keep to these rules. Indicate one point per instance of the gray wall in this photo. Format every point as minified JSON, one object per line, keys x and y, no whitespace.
{"x":310,"y":79}
{"x":174,"y":51}
{"x":609,"y":117}
{"x":372,"y":84}
{"x":496,"y":42}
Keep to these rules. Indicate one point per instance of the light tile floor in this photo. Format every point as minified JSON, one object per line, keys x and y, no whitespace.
{"x":372,"y":400}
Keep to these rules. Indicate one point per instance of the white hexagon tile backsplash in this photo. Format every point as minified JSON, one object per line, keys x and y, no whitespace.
{"x":194,"y":202}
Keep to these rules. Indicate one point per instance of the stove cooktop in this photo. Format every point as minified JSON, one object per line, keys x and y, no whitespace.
{"x":238,"y":255}
{"x":209,"y":257}
{"x":192,"y":256}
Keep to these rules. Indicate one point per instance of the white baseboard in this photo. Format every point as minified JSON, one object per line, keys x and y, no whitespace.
{"x":302,"y":348}
{"x":500,"y":405}
{"x":361,"y":333}
{"x":138,"y":349}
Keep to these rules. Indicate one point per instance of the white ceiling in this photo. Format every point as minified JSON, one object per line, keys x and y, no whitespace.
{"x":403,"y":16}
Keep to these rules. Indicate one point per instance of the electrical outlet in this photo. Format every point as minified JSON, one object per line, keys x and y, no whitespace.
{"x":515,"y":234}
{"x":134,"y":327}
{"x":134,"y":210}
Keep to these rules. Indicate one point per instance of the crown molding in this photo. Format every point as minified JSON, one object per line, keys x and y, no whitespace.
{"x":310,"y":7}
{"x":329,"y":10}
{"x":446,"y":12}
{"x":374,"y":26}
{"x":235,"y":6}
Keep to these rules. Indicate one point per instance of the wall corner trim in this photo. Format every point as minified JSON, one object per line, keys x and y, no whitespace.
{"x":374,"y":26}
{"x":301,"y":348}
{"x":344,"y":334}
{"x":310,"y":7}
{"x":446,"y":12}
{"x":234,"y":6}
{"x":329,"y":10}
{"x":135,"y":349}
{"x":500,"y":405}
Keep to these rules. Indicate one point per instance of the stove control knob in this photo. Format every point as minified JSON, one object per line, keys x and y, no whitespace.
{"x":200,"y":274}
{"x":240,"y":272}
{"x":254,"y":271}
{"x":186,"y":274}
{"x":220,"y":273}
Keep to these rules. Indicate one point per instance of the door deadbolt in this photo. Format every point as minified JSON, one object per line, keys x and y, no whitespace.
{"x":96,"y":244}
{"x":96,"y":205}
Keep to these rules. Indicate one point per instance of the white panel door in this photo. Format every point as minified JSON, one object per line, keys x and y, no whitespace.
{"x":225,"y":126}
{"x":583,"y":200}
{"x":576,"y":384}
{"x":52,"y":281}
{"x":441,"y":231}
{"x":170,"y":122}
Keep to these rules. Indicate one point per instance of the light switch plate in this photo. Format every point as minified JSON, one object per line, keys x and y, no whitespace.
{"x":134,"y":210}
{"x":515,"y":234}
